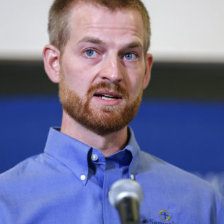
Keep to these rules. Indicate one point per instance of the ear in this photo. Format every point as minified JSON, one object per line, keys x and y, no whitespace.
{"x":148,"y":67}
{"x":51,"y":56}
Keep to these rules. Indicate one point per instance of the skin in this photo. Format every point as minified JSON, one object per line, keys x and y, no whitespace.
{"x":104,"y":46}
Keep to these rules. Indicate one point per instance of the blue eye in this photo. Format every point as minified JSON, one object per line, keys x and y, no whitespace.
{"x":130,"y":56}
{"x":90,"y":53}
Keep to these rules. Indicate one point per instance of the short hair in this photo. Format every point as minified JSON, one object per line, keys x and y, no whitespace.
{"x":59,"y":14}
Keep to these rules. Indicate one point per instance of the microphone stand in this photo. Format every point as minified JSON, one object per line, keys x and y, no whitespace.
{"x":128,"y":209}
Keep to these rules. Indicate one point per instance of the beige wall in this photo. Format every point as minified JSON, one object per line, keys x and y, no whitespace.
{"x":182,"y":30}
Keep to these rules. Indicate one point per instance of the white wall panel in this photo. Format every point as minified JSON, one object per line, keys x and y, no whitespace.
{"x":191,"y":30}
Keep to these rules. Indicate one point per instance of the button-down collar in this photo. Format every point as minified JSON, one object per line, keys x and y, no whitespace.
{"x":75,"y":155}
{"x":70,"y":152}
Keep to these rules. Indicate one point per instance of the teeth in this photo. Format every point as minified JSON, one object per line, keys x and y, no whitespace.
{"x":107,"y":97}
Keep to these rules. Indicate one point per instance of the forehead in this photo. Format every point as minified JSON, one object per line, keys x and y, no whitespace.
{"x":86,"y":19}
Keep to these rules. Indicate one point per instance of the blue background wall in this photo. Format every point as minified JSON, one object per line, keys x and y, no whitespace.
{"x":189,"y":134}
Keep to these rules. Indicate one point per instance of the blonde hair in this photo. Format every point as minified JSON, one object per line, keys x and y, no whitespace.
{"x":59,"y":14}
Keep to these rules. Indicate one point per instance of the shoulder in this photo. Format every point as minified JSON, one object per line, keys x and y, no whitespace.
{"x":19,"y":172}
{"x":163,"y":170}
{"x":14,"y":187}
{"x":33,"y":168}
{"x":170,"y":178}
{"x":27,"y":174}
{"x":174,"y":188}
{"x":27,"y":182}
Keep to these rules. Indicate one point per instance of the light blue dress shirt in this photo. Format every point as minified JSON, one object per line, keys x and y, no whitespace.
{"x":69,"y":184}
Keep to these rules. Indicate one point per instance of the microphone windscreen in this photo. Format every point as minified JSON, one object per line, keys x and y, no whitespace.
{"x":125,"y":188}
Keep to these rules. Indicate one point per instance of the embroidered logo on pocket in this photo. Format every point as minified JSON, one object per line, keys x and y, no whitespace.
{"x":164,"y":215}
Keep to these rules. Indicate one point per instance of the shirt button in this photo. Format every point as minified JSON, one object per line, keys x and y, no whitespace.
{"x":82,"y":177}
{"x":94,"y":157}
{"x":132,"y":176}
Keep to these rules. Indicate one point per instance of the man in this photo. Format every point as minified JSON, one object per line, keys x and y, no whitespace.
{"x":98,"y":55}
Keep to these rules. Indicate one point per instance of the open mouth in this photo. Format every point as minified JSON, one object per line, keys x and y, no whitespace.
{"x":107,"y":96}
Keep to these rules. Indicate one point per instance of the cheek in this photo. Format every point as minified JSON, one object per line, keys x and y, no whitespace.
{"x":136,"y":82}
{"x":75,"y":75}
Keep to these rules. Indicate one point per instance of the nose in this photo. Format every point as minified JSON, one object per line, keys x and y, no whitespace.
{"x":112,"y":69}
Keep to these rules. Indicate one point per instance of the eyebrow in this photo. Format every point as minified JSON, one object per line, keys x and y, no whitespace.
{"x":134,"y":44}
{"x":91,"y":40}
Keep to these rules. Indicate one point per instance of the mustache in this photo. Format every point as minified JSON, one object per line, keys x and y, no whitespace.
{"x":108,"y":86}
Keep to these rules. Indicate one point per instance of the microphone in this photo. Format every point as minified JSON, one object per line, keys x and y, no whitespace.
{"x":126,"y":195}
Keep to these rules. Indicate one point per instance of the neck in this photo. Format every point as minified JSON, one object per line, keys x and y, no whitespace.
{"x":107,"y":144}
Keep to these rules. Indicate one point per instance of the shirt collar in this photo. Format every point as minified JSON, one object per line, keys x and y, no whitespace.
{"x":134,"y":148}
{"x":74,"y":154}
{"x":68,"y":151}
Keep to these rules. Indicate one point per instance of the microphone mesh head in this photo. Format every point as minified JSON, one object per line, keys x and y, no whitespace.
{"x":125,"y":188}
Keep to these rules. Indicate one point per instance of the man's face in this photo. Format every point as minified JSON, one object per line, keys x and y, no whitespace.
{"x":103,"y":68}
